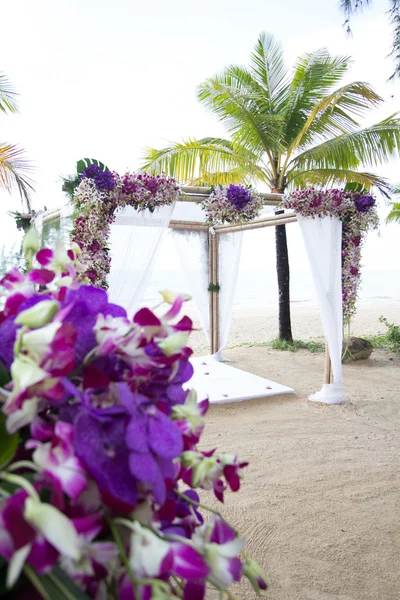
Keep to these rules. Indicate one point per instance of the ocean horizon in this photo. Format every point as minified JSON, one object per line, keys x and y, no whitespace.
{"x":255,"y":289}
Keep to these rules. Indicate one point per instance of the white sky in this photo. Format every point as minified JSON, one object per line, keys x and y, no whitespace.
{"x":105,"y":79}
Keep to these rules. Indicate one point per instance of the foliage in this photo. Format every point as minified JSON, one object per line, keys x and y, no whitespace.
{"x":357,"y":211}
{"x":394,"y":215}
{"x":99,"y":447}
{"x":22,"y":222}
{"x":14,"y":168}
{"x":392,"y":335}
{"x":350,"y":7}
{"x":98,"y":196}
{"x":277,"y":344}
{"x":288,"y":129}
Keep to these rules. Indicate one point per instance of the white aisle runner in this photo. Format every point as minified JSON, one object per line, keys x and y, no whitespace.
{"x":222,"y":383}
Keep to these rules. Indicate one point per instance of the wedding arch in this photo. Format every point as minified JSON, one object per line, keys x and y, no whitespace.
{"x":210,"y":257}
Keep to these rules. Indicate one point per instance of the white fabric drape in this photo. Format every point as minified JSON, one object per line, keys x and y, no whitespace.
{"x":192,"y":247}
{"x":38,"y":224}
{"x":230,"y":249}
{"x":134,"y":245}
{"x":323,"y":242}
{"x":66,"y":223}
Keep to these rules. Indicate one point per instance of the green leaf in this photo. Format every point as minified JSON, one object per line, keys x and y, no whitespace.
{"x":83,"y":164}
{"x":67,"y":588}
{"x":4,"y":376}
{"x":8,"y":443}
{"x":354,"y":187}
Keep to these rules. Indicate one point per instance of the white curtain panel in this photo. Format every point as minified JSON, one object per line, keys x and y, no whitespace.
{"x":323,"y":242}
{"x":135,"y":241}
{"x":192,"y":247}
{"x":230,"y":249}
{"x":66,"y":223}
{"x":38,"y":224}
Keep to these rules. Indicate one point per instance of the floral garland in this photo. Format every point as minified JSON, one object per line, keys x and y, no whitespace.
{"x":358,"y":214}
{"x":99,"y":440}
{"x":234,"y":204}
{"x":97,"y":197}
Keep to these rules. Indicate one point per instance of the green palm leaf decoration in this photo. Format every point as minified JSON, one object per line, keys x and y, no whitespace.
{"x":286,"y":129}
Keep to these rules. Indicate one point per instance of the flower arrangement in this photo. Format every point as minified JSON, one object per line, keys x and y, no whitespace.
{"x":234,"y":204}
{"x":357,"y":211}
{"x":99,"y":448}
{"x":99,"y":194}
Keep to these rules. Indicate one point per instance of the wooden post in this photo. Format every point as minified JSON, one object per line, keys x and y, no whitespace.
{"x":211,"y":294}
{"x":328,"y":366}
{"x":216,"y":293}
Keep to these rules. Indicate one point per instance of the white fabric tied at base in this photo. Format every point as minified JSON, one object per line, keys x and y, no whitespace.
{"x":330,"y":393}
{"x":323,"y":242}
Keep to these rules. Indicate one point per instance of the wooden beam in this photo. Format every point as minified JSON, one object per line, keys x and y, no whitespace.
{"x":328,"y":366}
{"x":191,"y":225}
{"x":270,"y":221}
{"x":211,"y":295}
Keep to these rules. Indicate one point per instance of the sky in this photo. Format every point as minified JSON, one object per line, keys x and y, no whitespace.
{"x":105,"y":79}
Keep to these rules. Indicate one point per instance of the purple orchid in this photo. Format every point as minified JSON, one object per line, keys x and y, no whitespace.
{"x":108,"y":437}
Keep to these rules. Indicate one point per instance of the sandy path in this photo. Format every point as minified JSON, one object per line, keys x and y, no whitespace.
{"x":320,"y":500}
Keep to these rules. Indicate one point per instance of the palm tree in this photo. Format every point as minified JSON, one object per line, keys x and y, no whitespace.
{"x":350,"y":7}
{"x":287,"y":130}
{"x":13,"y":166}
{"x":394,"y":215}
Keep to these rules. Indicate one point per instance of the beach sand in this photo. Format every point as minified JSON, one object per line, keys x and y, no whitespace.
{"x":320,"y":500}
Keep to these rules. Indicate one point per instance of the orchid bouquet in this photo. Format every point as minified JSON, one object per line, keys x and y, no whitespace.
{"x":357,"y":211}
{"x":99,"y":451}
{"x":96,"y":199}
{"x":234,"y":204}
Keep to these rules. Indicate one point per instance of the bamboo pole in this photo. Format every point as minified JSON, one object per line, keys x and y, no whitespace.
{"x":328,"y":366}
{"x":192,"y":225}
{"x":216,"y":294}
{"x":255,"y":225}
{"x":215,"y":281}
{"x":211,"y":294}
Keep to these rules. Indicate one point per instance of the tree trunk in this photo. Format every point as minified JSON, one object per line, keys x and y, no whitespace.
{"x":283,"y":274}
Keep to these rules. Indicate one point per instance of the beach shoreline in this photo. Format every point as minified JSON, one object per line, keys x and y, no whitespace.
{"x":252,"y":325}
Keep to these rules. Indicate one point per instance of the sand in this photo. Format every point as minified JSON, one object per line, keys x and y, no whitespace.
{"x":320,"y":501}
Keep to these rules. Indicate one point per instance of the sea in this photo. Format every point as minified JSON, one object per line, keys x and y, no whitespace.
{"x":256,"y":289}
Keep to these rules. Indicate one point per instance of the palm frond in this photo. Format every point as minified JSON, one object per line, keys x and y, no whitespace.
{"x":334,"y":113}
{"x":330,"y":177}
{"x":314,"y":76}
{"x":14,"y":172}
{"x":237,"y":100}
{"x":394,"y":215}
{"x":268,"y":68}
{"x":370,"y":146}
{"x":8,"y":97}
{"x":349,"y":7}
{"x":194,"y":160}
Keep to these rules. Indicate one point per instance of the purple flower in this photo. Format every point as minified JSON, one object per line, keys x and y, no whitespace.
{"x":364,"y":203}
{"x":91,"y":171}
{"x":239,"y":196}
{"x":105,"y":181}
